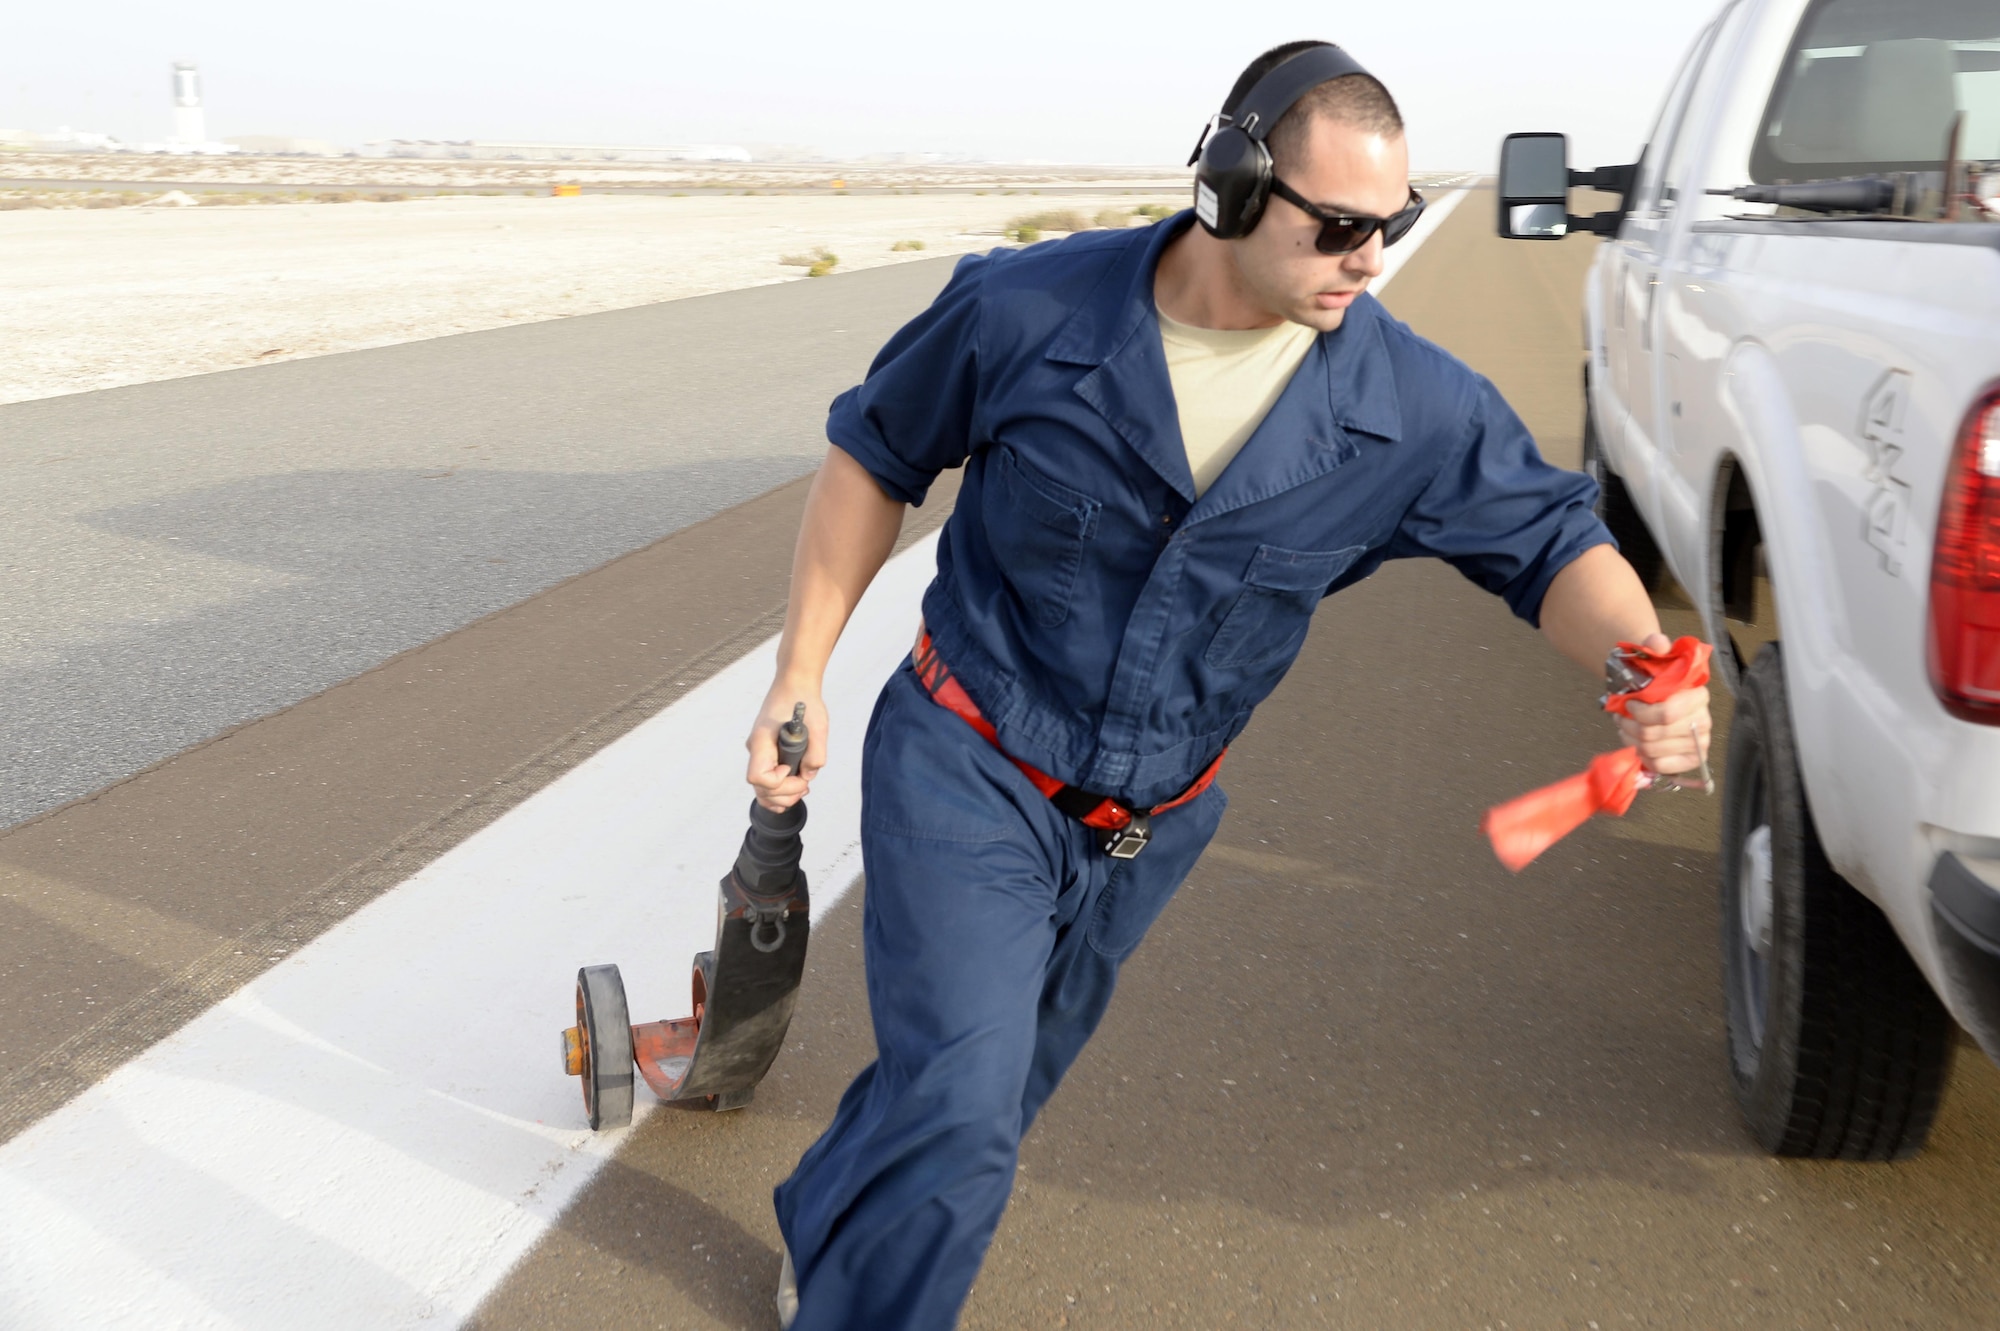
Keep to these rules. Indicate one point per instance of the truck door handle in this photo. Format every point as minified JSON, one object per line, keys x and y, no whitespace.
{"x":1646,"y":320}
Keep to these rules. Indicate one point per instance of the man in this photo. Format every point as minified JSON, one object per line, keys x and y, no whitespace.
{"x":1176,"y":442}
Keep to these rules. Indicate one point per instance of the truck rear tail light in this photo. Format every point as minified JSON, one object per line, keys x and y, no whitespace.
{"x":1965,"y":573}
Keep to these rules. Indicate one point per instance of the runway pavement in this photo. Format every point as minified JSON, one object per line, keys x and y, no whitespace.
{"x":1358,"y":1076}
{"x":184,"y":556}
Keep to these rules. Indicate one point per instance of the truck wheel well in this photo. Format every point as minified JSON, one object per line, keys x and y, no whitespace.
{"x":1736,"y":568}
{"x":1740,"y":591}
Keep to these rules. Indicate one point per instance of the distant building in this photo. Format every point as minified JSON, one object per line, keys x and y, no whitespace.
{"x":492,"y":150}
{"x":918,"y":159}
{"x":67,"y":140}
{"x":280,"y":145}
{"x":786,"y":152}
{"x":190,"y":123}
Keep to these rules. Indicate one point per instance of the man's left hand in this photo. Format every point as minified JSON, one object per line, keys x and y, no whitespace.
{"x":1672,"y":736}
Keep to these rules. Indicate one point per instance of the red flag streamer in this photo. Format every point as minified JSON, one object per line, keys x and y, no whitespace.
{"x":1682,"y":666}
{"x":1524,"y":827}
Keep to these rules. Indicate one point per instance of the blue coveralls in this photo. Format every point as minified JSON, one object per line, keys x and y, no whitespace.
{"x":1118,"y":632}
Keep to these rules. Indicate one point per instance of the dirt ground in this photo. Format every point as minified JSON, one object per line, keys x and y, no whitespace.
{"x":98,"y":297}
{"x":100,"y":287}
{"x":409,"y":172}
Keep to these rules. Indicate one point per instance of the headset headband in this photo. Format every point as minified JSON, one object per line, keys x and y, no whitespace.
{"x":1234,"y":175}
{"x":1283,"y":84}
{"x":1292,"y":78}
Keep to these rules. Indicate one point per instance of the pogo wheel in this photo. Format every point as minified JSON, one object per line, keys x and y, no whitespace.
{"x":606,"y":1037}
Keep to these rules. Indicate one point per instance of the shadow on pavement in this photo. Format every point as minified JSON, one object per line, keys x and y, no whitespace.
{"x":350,"y":568}
{"x":679,"y":1259}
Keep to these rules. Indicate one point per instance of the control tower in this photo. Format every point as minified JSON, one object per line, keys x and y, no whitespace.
{"x":189,"y":127}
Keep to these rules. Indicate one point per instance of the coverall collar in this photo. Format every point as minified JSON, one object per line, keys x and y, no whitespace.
{"x":1305,"y":434}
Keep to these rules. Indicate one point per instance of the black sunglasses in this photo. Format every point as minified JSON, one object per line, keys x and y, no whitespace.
{"x":1342,"y":234}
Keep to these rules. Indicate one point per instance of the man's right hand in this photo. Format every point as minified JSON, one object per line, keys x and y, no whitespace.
{"x":775,"y":786}
{"x":849,"y":528}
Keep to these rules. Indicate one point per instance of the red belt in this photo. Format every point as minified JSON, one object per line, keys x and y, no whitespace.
{"x":1125,"y":830}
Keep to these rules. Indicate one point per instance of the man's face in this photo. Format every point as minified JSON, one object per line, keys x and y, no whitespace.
{"x":1342,"y":170}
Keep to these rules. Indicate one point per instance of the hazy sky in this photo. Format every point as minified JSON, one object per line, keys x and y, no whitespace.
{"x":1084,"y":81}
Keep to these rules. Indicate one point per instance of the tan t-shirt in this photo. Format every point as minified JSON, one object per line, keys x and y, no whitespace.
{"x":1225,"y":382}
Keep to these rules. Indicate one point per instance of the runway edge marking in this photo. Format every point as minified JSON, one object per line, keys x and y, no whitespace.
{"x":1394,"y":257}
{"x":373,"y":1131}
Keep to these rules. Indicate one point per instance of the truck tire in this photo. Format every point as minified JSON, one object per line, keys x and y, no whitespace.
{"x":1838,"y":1048}
{"x":1615,"y":508}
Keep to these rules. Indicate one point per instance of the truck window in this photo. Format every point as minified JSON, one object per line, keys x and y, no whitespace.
{"x":1874,"y":86}
{"x":1646,"y":194}
{"x":1674,"y":168}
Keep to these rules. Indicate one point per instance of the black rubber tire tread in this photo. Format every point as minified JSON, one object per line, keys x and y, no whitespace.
{"x":1856,"y":1045}
{"x":1615,"y":508}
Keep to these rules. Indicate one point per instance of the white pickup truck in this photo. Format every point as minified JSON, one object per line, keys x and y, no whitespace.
{"x":1793,"y":382}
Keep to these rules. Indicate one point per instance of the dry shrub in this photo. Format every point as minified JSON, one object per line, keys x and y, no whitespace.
{"x":1055,"y":219}
{"x":1153,"y":212}
{"x":902,"y":246}
{"x":818,"y":263}
{"x":1112,"y":218}
{"x":15,"y":200}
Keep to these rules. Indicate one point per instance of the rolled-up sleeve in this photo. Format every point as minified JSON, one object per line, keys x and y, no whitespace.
{"x":1500,"y":514}
{"x":911,"y":418}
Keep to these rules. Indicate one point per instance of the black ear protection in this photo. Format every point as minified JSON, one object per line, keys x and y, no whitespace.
{"x":1232,"y":182}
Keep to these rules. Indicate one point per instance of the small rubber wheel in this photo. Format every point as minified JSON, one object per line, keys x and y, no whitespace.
{"x":1616,"y":509}
{"x":1838,"y":1048}
{"x":607,"y":1046}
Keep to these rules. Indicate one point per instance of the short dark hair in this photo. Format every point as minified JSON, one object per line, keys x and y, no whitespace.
{"x":1359,"y":100}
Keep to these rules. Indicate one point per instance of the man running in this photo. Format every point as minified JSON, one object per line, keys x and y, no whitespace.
{"x":1176,"y":440}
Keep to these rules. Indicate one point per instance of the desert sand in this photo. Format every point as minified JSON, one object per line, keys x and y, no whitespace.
{"x":101,"y":296}
{"x":95,"y":298}
{"x":436,"y":173}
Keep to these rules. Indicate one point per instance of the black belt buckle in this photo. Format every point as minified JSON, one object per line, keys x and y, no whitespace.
{"x":1125,"y":843}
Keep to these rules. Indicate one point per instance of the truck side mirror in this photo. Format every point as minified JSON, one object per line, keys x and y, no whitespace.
{"x":1534,"y":187}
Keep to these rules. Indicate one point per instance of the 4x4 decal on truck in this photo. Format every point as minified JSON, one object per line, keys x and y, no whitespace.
{"x":1889,"y":506}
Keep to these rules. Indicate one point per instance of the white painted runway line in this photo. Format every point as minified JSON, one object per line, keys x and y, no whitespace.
{"x":1399,"y":254}
{"x":375,"y":1130}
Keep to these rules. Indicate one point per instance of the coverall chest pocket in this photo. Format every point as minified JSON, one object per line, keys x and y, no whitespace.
{"x":1037,"y":527}
{"x":1274,"y":609}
